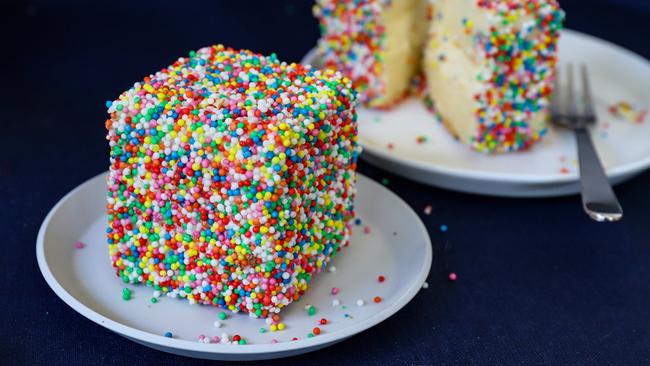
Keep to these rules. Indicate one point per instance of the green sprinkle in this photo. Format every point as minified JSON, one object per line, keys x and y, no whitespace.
{"x":311,"y":310}
{"x":222,"y":316}
{"x":154,"y":300}
{"x":384,"y":181}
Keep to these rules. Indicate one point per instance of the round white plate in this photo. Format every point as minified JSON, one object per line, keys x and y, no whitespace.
{"x":85,"y":280}
{"x":549,"y":168}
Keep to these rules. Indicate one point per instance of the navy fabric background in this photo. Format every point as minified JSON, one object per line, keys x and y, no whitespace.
{"x":539,"y":283}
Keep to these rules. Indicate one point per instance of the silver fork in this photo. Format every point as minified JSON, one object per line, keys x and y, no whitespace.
{"x":598,"y":198}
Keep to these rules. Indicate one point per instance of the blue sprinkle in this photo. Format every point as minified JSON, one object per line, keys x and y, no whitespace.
{"x":443,"y":228}
{"x":357,"y":222}
{"x":168,"y":334}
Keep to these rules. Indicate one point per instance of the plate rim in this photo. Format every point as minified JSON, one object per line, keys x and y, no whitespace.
{"x":272,"y":350}
{"x":510,"y":178}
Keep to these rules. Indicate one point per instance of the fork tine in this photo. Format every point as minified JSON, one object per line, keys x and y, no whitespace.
{"x":556,"y":99}
{"x":587,"y":99}
{"x":572,"y":108}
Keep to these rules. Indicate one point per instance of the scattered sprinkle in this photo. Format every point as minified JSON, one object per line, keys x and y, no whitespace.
{"x":154,"y":300}
{"x":629,"y":112}
{"x":564,"y":170}
{"x":425,"y":285}
{"x":311,"y":310}
{"x":428,"y":209}
{"x":323,"y":321}
{"x":335,"y":290}
{"x":316,"y":330}
{"x":381,"y":278}
{"x":336,"y":302}
{"x":168,"y":335}
{"x":385,"y":181}
{"x":79,"y":245}
{"x":217,"y":324}
{"x":223,"y":315}
{"x":452,"y":276}
{"x":377,"y":299}
{"x":366,"y":229}
{"x":126,"y":294}
{"x":357,"y":221}
{"x":332,"y":269}
{"x":421,"y":139}
{"x":360,"y":302}
{"x":443,"y":228}
{"x":390,"y":146}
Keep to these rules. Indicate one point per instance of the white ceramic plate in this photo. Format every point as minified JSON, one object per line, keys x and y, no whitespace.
{"x":549,"y":169}
{"x":85,"y":280}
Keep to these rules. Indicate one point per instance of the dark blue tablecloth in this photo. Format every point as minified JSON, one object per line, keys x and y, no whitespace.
{"x":538,"y":282}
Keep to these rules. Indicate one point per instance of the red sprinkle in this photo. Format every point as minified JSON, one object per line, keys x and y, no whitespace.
{"x":323,"y":321}
{"x":381,"y":278}
{"x":335,"y":290}
{"x":316,"y":330}
{"x":377,"y":299}
{"x":236,"y":338}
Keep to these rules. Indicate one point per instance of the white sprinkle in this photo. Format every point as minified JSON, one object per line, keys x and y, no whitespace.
{"x":217,"y":324}
{"x":336,"y":302}
{"x":360,"y":302}
{"x":425,"y":285}
{"x":332,"y":269}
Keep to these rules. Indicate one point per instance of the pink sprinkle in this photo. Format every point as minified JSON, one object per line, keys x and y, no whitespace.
{"x":335,"y":290}
{"x":390,"y":146}
{"x":452,"y":276}
{"x":274,"y":340}
{"x":201,"y":337}
{"x":79,"y":245}
{"x":366,"y":229}
{"x":215,"y":339}
{"x":428,"y":209}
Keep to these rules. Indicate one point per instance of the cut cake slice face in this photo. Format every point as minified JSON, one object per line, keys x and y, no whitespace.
{"x":232,"y":178}
{"x":489,"y":66}
{"x":377,"y":43}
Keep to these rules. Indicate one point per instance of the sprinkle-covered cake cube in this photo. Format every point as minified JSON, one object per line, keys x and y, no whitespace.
{"x":231,"y":178}
{"x":489,"y":66}
{"x":377,"y":43}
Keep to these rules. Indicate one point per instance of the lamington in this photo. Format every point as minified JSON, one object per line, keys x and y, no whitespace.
{"x":232,"y":178}
{"x":377,"y":43}
{"x":489,"y":67}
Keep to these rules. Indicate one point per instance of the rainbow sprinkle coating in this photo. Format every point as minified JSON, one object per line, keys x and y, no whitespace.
{"x":351,"y":42}
{"x":231,"y":179}
{"x":522,"y":63}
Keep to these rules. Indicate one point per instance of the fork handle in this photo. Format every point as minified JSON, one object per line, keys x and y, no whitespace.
{"x":598,"y":198}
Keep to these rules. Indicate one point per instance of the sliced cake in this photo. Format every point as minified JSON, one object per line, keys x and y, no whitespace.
{"x":377,"y":43}
{"x":489,"y":65}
